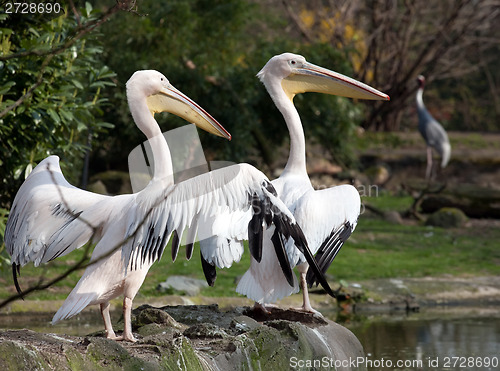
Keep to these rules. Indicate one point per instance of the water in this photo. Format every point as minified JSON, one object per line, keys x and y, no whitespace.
{"x":85,"y":323}
{"x":433,"y":339}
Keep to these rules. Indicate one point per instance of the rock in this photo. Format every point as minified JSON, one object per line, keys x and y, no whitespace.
{"x":97,"y":187}
{"x":378,"y":174}
{"x":145,"y":315}
{"x":393,"y":217}
{"x":182,"y":285}
{"x":212,"y":340}
{"x":205,"y":331}
{"x":115,"y":182}
{"x":447,"y":217}
{"x":321,"y":165}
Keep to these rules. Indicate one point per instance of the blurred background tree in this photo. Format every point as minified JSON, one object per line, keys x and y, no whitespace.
{"x":453,"y":43}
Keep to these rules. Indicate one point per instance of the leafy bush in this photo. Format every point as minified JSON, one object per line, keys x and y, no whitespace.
{"x":50,"y":94}
{"x":51,"y":81}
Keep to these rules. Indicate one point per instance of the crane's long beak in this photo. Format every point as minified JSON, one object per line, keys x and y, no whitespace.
{"x":173,"y":101}
{"x":311,"y":78}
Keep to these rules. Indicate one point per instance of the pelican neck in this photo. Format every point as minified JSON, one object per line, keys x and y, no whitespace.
{"x":145,"y":121}
{"x":296,"y":163}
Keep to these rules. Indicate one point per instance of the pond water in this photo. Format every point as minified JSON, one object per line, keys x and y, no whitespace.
{"x":87,"y":322}
{"x":432,"y":339}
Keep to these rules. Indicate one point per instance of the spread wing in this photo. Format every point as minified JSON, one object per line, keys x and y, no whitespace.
{"x":50,"y":217}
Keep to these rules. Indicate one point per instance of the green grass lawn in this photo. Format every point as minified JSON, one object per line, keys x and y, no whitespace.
{"x":377,"y":249}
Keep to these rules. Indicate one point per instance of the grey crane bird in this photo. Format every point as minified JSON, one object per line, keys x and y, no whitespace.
{"x":432,"y":131}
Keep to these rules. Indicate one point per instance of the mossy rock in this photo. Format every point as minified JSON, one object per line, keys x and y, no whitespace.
{"x":214,"y":340}
{"x":378,"y":174}
{"x":14,"y":356}
{"x":447,"y":217}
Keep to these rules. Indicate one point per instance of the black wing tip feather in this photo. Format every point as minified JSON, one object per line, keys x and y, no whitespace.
{"x":256,"y":229}
{"x":175,"y":245}
{"x":318,"y":274}
{"x":208,"y":270}
{"x":285,"y":228}
{"x":328,"y":251}
{"x":189,"y":250}
{"x":282,"y":256}
{"x":16,"y":271}
{"x":270,"y":188}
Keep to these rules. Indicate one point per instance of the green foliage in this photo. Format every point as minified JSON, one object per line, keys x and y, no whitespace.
{"x":51,"y":81}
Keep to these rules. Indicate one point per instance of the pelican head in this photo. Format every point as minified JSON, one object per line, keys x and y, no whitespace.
{"x":161,"y":96}
{"x":299,"y":76}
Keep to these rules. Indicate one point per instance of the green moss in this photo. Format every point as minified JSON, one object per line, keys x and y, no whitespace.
{"x":14,"y":356}
{"x":107,"y":353}
{"x":180,"y":356}
{"x":76,"y":361}
{"x":271,"y":348}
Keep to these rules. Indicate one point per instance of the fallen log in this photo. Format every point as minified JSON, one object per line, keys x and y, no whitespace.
{"x":475,"y":201}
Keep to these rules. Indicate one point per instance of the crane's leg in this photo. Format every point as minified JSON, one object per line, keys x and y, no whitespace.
{"x":110,"y":334}
{"x":429,"y":164}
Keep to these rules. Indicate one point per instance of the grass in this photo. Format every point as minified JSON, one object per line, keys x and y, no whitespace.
{"x":382,"y":250}
{"x":377,"y":249}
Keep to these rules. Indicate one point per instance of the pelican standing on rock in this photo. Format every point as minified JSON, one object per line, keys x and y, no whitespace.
{"x":328,"y":216}
{"x":433,"y":133}
{"x":50,"y":217}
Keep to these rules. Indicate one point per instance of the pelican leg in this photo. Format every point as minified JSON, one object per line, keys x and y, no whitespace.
{"x":429,"y":164}
{"x":306,"y":303}
{"x":265,"y":308}
{"x":127,"y":319}
{"x":110,"y":333}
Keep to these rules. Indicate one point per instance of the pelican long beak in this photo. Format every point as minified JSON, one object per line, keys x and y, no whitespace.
{"x":173,"y":101}
{"x":311,"y":78}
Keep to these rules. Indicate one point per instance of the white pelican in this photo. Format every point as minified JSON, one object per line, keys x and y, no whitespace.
{"x":50,"y":217}
{"x":432,"y":131}
{"x":328,"y":216}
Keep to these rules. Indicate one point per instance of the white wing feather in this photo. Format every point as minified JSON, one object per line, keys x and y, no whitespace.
{"x":50,"y":217}
{"x":321,"y":212}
